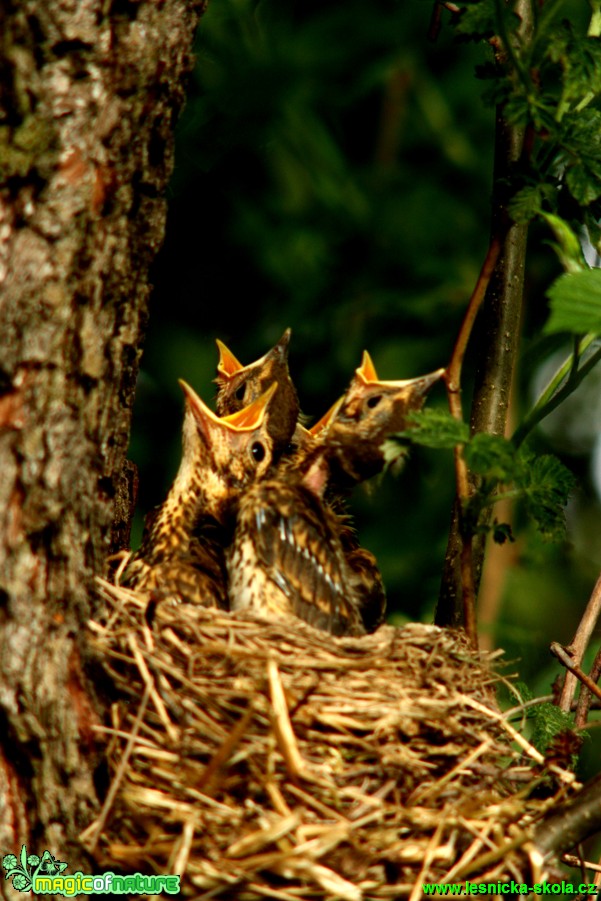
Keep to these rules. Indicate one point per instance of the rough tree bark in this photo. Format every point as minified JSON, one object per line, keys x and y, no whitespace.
{"x":89,"y":93}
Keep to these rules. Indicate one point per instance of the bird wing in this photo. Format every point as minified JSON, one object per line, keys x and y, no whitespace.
{"x":297,"y":546}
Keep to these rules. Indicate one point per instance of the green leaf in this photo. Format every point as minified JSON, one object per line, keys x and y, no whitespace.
{"x":547,"y":484}
{"x":477,"y":21}
{"x":434,"y":428}
{"x":569,"y":249}
{"x":492,"y":457}
{"x":549,"y":721}
{"x":524,"y":691}
{"x":575,"y":303}
{"x":580,"y":59}
{"x":583,"y":182}
{"x":525,"y":205}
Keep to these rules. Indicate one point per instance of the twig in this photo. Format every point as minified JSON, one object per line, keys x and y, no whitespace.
{"x":97,"y":826}
{"x":453,"y":371}
{"x":434,"y":26}
{"x":207,"y":779}
{"x":433,"y":844}
{"x":565,"y":776}
{"x":161,"y":710}
{"x":282,"y":727}
{"x":579,"y":645}
{"x":572,"y":822}
{"x":489,"y":857}
{"x":453,"y":383}
{"x":563,"y":655}
{"x":585,"y":698}
{"x":576,"y":862}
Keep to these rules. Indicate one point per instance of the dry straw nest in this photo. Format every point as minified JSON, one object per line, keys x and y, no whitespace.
{"x":269,"y":760}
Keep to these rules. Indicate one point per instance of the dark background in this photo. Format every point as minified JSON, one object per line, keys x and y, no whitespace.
{"x":333,"y":174}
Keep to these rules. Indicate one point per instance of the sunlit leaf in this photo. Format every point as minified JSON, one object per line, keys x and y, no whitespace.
{"x":576,"y":303}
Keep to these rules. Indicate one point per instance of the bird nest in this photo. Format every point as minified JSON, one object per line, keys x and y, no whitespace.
{"x":265,"y":759}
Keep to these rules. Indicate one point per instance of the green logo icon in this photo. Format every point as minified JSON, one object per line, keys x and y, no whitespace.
{"x":23,"y":870}
{"x":45,"y":876}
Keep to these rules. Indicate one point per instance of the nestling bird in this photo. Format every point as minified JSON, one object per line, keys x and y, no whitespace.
{"x":239,"y":385}
{"x":359,"y":423}
{"x":365,"y":577}
{"x":287,"y":557}
{"x":182,"y":552}
{"x":352,"y":434}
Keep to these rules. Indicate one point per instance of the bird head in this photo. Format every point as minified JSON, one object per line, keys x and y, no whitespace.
{"x":240,"y":385}
{"x":371,"y":410}
{"x":224,"y":454}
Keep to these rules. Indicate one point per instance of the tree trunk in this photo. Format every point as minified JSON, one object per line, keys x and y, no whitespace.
{"x":89,"y":94}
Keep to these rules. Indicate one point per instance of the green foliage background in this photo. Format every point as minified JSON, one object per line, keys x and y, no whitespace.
{"x":334,"y":174}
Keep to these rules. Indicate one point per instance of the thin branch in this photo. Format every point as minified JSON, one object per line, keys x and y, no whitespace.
{"x":579,"y":644}
{"x":564,"y":657}
{"x":453,"y":372}
{"x":453,"y":383}
{"x":572,"y":822}
{"x":586,"y":697}
{"x":576,"y":862}
{"x":435,"y":18}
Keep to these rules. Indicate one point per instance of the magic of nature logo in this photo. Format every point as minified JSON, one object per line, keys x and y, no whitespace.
{"x":46,"y":875}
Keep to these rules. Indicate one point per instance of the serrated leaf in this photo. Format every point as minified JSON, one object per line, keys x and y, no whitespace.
{"x":492,"y":457}
{"x":518,"y":112}
{"x":547,"y":484}
{"x":477,"y":21}
{"x":575,"y":303}
{"x":583,"y":182}
{"x":549,"y":13}
{"x":580,"y":59}
{"x":524,"y":691}
{"x":549,"y":721}
{"x":525,"y":205}
{"x":434,"y":428}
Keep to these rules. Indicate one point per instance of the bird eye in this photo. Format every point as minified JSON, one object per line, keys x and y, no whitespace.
{"x":374,"y":401}
{"x":240,"y":392}
{"x":258,"y":451}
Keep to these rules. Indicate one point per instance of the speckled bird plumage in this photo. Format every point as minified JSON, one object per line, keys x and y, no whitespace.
{"x":240,"y":385}
{"x":182,"y":552}
{"x":287,"y":557}
{"x":364,"y":574}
